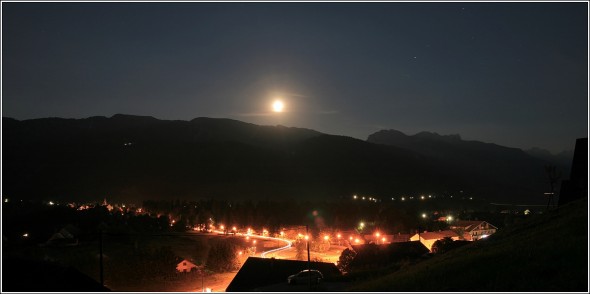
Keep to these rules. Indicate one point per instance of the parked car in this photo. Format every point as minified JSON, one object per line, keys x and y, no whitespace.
{"x":303,"y":277}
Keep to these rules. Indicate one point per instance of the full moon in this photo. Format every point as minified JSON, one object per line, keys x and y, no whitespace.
{"x":278,"y":106}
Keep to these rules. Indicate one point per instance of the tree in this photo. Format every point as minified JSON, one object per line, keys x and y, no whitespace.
{"x":461,"y":232}
{"x":300,"y":248}
{"x":223,"y":257}
{"x":345,"y":260}
{"x":442,"y":245}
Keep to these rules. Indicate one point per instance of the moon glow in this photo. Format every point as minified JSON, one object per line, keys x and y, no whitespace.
{"x":278,"y":106}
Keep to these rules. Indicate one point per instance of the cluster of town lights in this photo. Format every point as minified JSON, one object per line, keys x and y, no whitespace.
{"x":378,"y":236}
{"x":365,"y":198}
{"x":402,"y":198}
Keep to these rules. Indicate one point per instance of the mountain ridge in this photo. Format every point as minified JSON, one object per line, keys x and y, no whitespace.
{"x":144,"y":157}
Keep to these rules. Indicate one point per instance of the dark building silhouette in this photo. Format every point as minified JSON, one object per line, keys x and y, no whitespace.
{"x":259,"y":272}
{"x":29,"y":275}
{"x":577,"y":186}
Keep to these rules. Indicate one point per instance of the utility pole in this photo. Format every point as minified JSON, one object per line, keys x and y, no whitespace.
{"x":308,"y":257}
{"x":100,"y":250}
{"x":553,"y":176}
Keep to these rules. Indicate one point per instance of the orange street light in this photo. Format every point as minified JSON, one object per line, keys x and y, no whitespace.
{"x":326,"y":237}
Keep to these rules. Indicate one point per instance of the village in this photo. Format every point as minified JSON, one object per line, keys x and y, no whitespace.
{"x":213,"y":256}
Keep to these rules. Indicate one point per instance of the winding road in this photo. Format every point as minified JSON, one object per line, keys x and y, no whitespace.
{"x":263,"y":254}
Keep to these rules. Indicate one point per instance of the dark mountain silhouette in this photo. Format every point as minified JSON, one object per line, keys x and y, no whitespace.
{"x":492,"y":166}
{"x":562,"y":160}
{"x":133,"y":158}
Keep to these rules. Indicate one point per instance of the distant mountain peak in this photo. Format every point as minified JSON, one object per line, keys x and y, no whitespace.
{"x":134,"y":117}
{"x":434,"y":135}
{"x":391,"y":133}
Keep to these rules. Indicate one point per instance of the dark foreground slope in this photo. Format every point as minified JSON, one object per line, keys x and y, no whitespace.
{"x":544,"y":253}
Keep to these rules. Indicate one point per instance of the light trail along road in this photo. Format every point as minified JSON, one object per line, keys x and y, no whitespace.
{"x":263,"y":254}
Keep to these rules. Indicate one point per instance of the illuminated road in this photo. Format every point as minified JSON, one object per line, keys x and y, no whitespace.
{"x":289,"y":243}
{"x":218,"y":282}
{"x":264,"y":253}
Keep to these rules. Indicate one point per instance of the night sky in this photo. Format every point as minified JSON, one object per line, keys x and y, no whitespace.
{"x":514,"y":74}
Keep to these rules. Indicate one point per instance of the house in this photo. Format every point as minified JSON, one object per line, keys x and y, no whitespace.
{"x":378,"y":239}
{"x":65,"y":237}
{"x":261,"y":272}
{"x":428,"y":238}
{"x":577,"y":186}
{"x":385,"y":239}
{"x":474,"y":230}
{"x":185,"y":266}
{"x":399,"y":237}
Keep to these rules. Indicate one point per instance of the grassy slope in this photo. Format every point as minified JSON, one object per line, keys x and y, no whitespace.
{"x":547,"y":252}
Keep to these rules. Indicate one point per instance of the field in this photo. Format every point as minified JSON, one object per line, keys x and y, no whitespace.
{"x":124,"y":272}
